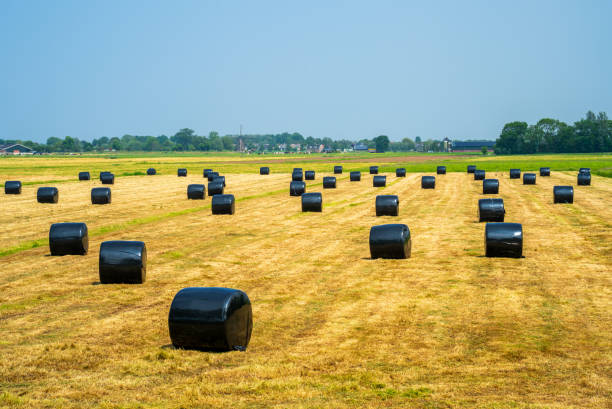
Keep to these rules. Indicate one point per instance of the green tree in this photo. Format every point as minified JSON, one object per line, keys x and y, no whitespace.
{"x":484,"y":150}
{"x":382,"y":143}
{"x":511,"y":138}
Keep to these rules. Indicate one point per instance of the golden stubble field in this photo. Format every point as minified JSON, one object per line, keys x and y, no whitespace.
{"x":332,"y":328}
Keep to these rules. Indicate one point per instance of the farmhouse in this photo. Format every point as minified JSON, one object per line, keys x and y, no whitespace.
{"x":15,"y":149}
{"x":472,"y":146}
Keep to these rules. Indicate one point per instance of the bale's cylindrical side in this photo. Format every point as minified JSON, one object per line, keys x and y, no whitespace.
{"x":441,"y":170}
{"x":479,"y":174}
{"x":264,"y":170}
{"x":490,"y":187}
{"x":390,"y":241}
{"x":212,"y":175}
{"x":428,"y":182}
{"x":196,"y":191}
{"x":529,"y":178}
{"x":504,"y":240}
{"x":373,"y":170}
{"x":545,"y":171}
{"x":151,"y":171}
{"x":387,"y":205}
{"x":337,"y":170}
{"x":297,"y":188}
{"x":297,"y":176}
{"x":123,"y":262}
{"x":107,"y":178}
{"x":68,"y":238}
{"x":220,"y":179}
{"x":12,"y":187}
{"x":491,"y":210}
{"x":584,"y":170}
{"x":47,"y":195}
{"x":379,"y":181}
{"x":584,"y":179}
{"x":400,"y":172}
{"x":215,"y":188}
{"x":329,"y":182}
{"x":104,"y":173}
{"x":312,"y":202}
{"x":355,"y":176}
{"x":100,"y":195}
{"x":84,"y":176}
{"x":515,"y":173}
{"x":309,"y":175}
{"x":471,"y":168}
{"x":181,"y":172}
{"x":563,"y":194}
{"x":223,"y":204}
{"x":210,"y":319}
{"x":205,"y":172}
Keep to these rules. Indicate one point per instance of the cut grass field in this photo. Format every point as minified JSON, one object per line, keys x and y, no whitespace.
{"x":446,"y":328}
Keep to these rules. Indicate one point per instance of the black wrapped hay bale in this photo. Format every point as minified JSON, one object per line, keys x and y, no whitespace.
{"x":545,"y":171}
{"x":223,"y":204}
{"x":585,"y":170}
{"x":400,"y":172}
{"x":504,"y":240}
{"x":479,"y":174}
{"x":211,"y":175}
{"x":428,"y":182}
{"x":181,"y":172}
{"x":312,"y":202}
{"x":297,"y":170}
{"x":355,"y":176}
{"x":563,"y":194}
{"x":471,"y":168}
{"x":264,"y":170}
{"x":151,"y":172}
{"x":584,"y":179}
{"x":104,"y":173}
{"x":329,"y":182}
{"x":515,"y":173}
{"x":47,"y":195}
{"x":206,"y":172}
{"x":12,"y":187}
{"x":379,"y":181}
{"x":107,"y":178}
{"x":529,"y":178}
{"x":210,"y":319}
{"x":100,"y":195}
{"x":491,"y":210}
{"x":215,"y":188}
{"x":297,"y":175}
{"x":441,"y":170}
{"x":196,"y":191}
{"x":390,"y":241}
{"x":373,"y":170}
{"x":490,"y":187}
{"x":220,"y":179}
{"x":84,"y":176}
{"x":68,"y":238}
{"x":297,"y":188}
{"x":123,"y":262}
{"x":309,"y":175}
{"x":337,"y":170}
{"x":387,"y":205}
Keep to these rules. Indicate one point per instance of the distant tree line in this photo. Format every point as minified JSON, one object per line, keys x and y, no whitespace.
{"x":590,"y":134}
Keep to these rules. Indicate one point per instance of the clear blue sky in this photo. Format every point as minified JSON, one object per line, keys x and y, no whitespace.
{"x":323,"y":68}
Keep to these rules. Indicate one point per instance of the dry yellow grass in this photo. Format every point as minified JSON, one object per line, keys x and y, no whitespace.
{"x":332,"y":328}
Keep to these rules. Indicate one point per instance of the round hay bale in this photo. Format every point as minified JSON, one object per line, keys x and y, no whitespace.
{"x":400,"y":172}
{"x":585,"y":170}
{"x":379,"y":181}
{"x":441,"y":170}
{"x":297,"y":188}
{"x":387,"y":205}
{"x":428,"y":182}
{"x":479,"y":174}
{"x":220,"y":179}
{"x":123,"y":262}
{"x":515,"y":173}
{"x":104,"y":173}
{"x":12,"y":187}
{"x":68,"y":238}
{"x":490,"y":187}
{"x":100,"y":195}
{"x":84,"y":176}
{"x":504,"y":240}
{"x":545,"y":171}
{"x":212,"y":175}
{"x":563,"y":194}
{"x":390,"y":241}
{"x":107,"y":178}
{"x":584,"y":179}
{"x":151,"y":172}
{"x":223,"y":204}
{"x":264,"y":170}
{"x":297,"y":175}
{"x":197,"y":191}
{"x":471,"y":168}
{"x":210,"y":319}
{"x":312,"y":202}
{"x":206,"y":172}
{"x":181,"y":172}
{"x":47,"y":195}
{"x":355,"y":176}
{"x":529,"y":178}
{"x":309,"y":175}
{"x":337,"y":170}
{"x":215,"y":188}
{"x":373,"y":170}
{"x":491,"y":210}
{"x":329,"y":182}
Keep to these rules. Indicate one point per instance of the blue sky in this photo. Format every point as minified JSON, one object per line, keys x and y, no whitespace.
{"x":350,"y":69}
